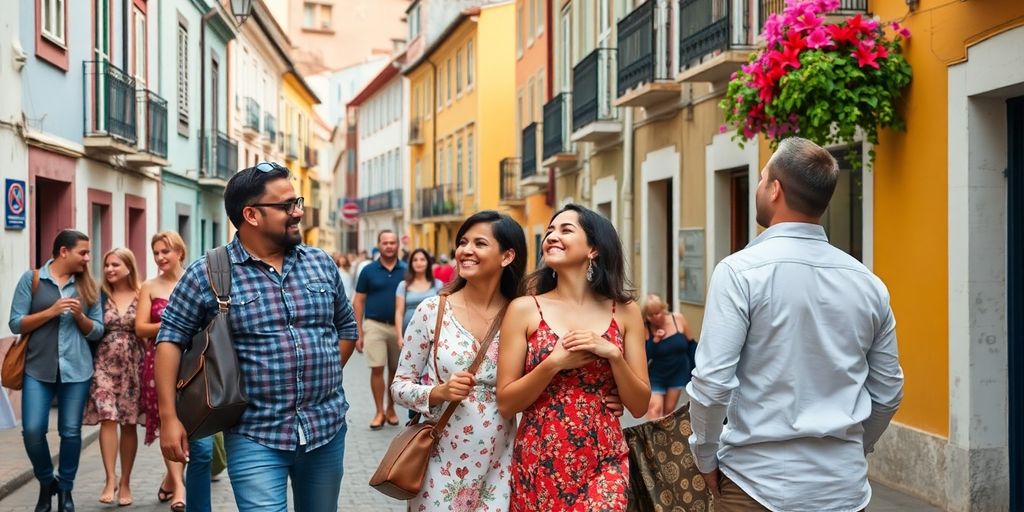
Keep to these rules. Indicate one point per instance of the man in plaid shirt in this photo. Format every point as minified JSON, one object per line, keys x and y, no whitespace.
{"x":293,"y":331}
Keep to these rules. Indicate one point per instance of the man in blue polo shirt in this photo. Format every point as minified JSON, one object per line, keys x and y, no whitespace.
{"x":375,"y":318}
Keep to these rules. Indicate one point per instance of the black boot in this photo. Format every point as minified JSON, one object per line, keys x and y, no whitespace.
{"x":46,"y":492}
{"x":64,"y":502}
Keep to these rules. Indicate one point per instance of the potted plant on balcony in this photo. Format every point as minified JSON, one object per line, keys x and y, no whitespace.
{"x":819,"y":80}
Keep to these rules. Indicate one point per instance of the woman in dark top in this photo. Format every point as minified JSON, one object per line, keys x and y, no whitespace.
{"x":64,"y":315}
{"x":668,"y":356}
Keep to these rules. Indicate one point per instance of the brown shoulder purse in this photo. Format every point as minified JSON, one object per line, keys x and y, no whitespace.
{"x":401,"y":471}
{"x":13,"y":374}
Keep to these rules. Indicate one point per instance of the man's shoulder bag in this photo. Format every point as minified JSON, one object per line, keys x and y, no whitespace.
{"x":401,"y":472}
{"x":12,"y":375}
{"x":211,"y":397}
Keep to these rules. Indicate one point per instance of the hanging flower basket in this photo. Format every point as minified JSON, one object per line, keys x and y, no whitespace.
{"x":819,"y":80}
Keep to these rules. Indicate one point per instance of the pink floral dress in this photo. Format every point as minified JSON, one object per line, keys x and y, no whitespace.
{"x":114,"y":395}
{"x":148,"y":379}
{"x":469,"y":471}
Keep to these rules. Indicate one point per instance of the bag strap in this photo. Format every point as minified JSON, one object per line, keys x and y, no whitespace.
{"x":441,"y":305}
{"x":35,"y":281}
{"x":218,"y":270}
{"x":481,"y":353}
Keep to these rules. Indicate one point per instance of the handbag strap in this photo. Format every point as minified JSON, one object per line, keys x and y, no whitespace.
{"x":218,"y":270}
{"x":441,"y":305}
{"x":481,"y":353}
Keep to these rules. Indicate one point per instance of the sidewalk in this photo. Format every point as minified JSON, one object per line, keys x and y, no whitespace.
{"x":15,"y":468}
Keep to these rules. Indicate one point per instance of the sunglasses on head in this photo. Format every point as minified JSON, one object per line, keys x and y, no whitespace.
{"x":269,"y":166}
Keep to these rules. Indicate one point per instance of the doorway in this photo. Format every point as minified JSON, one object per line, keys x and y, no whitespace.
{"x":1015,"y":296}
{"x":660,"y":260}
{"x":50,"y":220}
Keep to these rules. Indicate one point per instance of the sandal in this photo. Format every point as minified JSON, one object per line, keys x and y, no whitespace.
{"x":376,"y":426}
{"x":164,"y":495}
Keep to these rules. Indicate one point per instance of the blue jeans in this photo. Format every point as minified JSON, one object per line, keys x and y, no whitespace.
{"x":36,"y":398}
{"x":197,"y":475}
{"x":259,"y":475}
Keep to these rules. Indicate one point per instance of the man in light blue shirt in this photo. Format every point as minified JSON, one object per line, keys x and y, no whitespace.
{"x":798,"y":351}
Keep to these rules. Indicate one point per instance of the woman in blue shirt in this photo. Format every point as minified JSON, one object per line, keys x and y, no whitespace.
{"x":668,"y":356}
{"x":419,"y":285}
{"x":64,"y":315}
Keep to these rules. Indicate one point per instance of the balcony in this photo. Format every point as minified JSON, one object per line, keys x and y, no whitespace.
{"x":530,"y":175}
{"x":645,"y":71}
{"x":221,"y":161}
{"x":311,"y":218}
{"x":439,"y":203}
{"x":714,"y":39}
{"x":415,"y":132}
{"x":110,"y":110}
{"x":557,"y":148}
{"x":594,"y":117}
{"x":152,"y":131}
{"x":310,"y":156}
{"x":508,"y":188}
{"x":390,"y":200}
{"x":270,"y":131}
{"x":251,"y":121}
{"x":291,"y":147}
{"x":846,"y":8}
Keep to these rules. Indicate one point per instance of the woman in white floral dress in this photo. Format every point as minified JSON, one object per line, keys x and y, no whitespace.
{"x":469,"y":470}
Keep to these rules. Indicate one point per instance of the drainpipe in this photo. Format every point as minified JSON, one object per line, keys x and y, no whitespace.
{"x":433,"y":134}
{"x":125,"y":43}
{"x":626,"y":228}
{"x":202,"y":85}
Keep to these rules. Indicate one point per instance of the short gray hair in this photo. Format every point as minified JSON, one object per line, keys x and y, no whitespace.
{"x":808,"y":174}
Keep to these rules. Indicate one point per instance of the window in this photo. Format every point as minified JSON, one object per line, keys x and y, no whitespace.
{"x":450,"y":161}
{"x":469,"y":159}
{"x":316,"y":16}
{"x":843,"y":220}
{"x":308,"y":15}
{"x":440,"y":165}
{"x":183,"y":79}
{"x":519,"y":31}
{"x":528,"y":116}
{"x":448,"y":81}
{"x":414,"y":22}
{"x":469,"y":64}
{"x":739,"y":210}
{"x":531,"y":23}
{"x":438,"y":94}
{"x":458,"y":162}
{"x":458,"y":72}
{"x":52,"y":20}
{"x":540,"y":16}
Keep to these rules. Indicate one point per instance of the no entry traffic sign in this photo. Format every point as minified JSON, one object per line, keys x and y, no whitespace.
{"x":350,"y":212}
{"x":16,"y":196}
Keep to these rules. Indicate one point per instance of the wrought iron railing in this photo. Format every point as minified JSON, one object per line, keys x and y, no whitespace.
{"x":270,"y":127}
{"x":706,"y":26}
{"x":437,"y":201}
{"x":252,"y":114}
{"x":593,"y":84}
{"x":643,"y":47}
{"x":768,"y":7}
{"x":226,"y":156}
{"x":310,"y":156}
{"x":415,"y":131}
{"x":529,"y":152}
{"x":154,"y":109}
{"x":389,"y":200}
{"x":557,"y":126}
{"x":110,"y":102}
{"x":509,"y":184}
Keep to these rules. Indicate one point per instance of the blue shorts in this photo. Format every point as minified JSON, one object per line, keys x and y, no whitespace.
{"x":662,"y":383}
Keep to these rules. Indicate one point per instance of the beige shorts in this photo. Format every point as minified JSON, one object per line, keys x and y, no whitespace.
{"x":380,"y":344}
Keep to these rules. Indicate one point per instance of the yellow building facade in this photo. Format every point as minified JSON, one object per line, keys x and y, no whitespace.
{"x":461,"y":123}
{"x":300,"y":149}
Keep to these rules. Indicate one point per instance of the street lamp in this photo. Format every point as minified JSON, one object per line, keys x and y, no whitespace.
{"x":241,"y":10}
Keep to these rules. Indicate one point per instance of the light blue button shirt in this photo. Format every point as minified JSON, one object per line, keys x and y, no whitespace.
{"x":798,"y":350}
{"x":74,"y":361}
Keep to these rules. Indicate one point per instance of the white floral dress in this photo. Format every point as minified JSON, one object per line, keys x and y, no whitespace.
{"x":469,"y":470}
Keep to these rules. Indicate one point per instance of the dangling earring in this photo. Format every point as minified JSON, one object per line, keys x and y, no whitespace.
{"x":590,"y":271}
{"x":554,"y":274}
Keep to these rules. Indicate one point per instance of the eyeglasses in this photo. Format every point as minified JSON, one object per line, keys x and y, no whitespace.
{"x":288,"y":206}
{"x":269,"y":166}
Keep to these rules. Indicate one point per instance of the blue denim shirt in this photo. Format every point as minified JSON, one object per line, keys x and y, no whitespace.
{"x":285,"y":330}
{"x":74,"y":359}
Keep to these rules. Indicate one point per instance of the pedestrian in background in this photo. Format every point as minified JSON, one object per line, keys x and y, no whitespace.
{"x":668,"y":355}
{"x":469,"y":470}
{"x":114,"y":398}
{"x":292,"y":330}
{"x":64,"y":316}
{"x":345,"y":268}
{"x":798,"y":351}
{"x":375,"y":317}
{"x":169,"y":253}
{"x":563,"y":350}
{"x":445,"y":270}
{"x":419,"y":284}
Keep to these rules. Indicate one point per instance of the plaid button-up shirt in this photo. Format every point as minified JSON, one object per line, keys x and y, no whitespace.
{"x":286,"y":329}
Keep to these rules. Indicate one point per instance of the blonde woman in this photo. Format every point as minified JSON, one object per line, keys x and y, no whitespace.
{"x":668,"y":355}
{"x":114,"y":396}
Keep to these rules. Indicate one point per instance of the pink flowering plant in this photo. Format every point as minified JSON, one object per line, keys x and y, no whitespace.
{"x":819,"y":80}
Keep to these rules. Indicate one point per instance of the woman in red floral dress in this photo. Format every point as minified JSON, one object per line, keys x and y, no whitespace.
{"x":562,"y":352}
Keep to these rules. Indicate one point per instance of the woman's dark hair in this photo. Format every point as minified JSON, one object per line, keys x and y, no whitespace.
{"x":410,"y":274}
{"x":609,"y":267}
{"x":245,"y":186}
{"x":84,"y":282}
{"x":509,"y":235}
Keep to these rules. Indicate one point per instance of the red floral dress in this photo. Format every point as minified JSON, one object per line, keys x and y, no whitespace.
{"x":570,"y":453}
{"x":148,"y":379}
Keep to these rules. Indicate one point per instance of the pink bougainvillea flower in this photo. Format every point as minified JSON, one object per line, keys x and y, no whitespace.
{"x":827,"y":5}
{"x":882,"y":51}
{"x":790,"y":57}
{"x":818,"y":38}
{"x":842,"y":34}
{"x":807,"y":21}
{"x":794,"y":41}
{"x":722,"y":129}
{"x":866,"y":56}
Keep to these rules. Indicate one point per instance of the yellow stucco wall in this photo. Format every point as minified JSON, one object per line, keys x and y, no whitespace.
{"x":298,"y":100}
{"x":496,"y":102}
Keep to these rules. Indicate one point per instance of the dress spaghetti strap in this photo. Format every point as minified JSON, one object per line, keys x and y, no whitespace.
{"x":539,"y":310}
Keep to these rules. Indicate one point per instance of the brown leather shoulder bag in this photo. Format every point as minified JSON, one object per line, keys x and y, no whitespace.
{"x":12,"y":375}
{"x":211,"y":396}
{"x":401,"y":472}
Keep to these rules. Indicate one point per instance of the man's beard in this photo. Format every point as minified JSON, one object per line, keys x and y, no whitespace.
{"x":288,"y":239}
